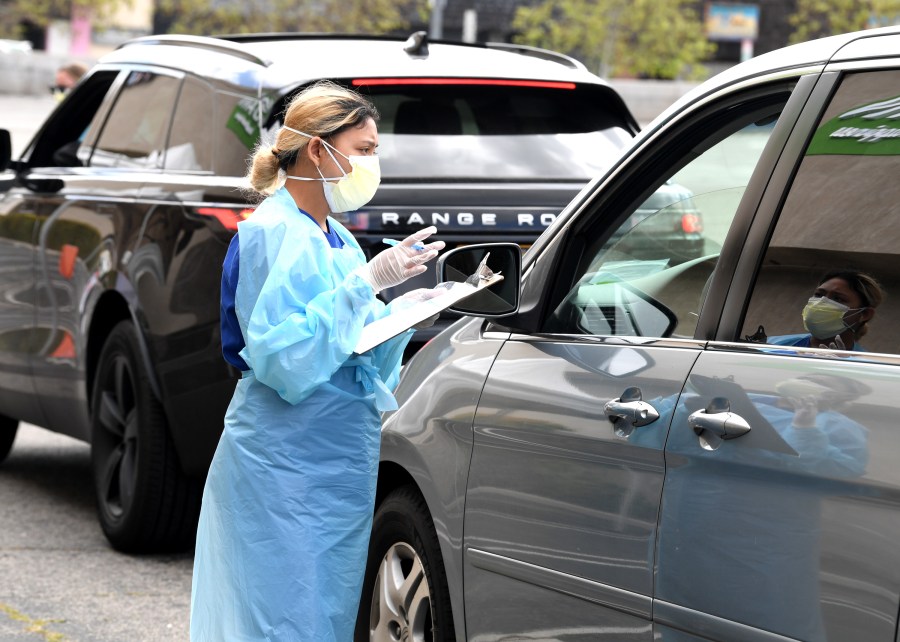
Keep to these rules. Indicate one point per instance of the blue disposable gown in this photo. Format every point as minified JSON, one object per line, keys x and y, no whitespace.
{"x":287,"y":507}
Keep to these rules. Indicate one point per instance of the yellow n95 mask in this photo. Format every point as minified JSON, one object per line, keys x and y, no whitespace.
{"x":824,"y":318}
{"x":352,"y":190}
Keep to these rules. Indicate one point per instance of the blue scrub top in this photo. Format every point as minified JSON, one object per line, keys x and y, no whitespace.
{"x":801,"y":341}
{"x":232,"y":339}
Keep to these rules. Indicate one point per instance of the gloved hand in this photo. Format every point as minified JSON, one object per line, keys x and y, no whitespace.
{"x":396,"y":264}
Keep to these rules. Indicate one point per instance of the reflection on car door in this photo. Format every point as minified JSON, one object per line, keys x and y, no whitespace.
{"x":561,"y":508}
{"x":789,"y":528}
{"x":17,"y":222}
{"x":78,"y":250}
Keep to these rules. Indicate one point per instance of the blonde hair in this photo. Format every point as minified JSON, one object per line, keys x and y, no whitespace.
{"x":323,"y":109}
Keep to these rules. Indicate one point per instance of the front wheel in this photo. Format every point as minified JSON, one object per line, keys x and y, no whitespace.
{"x":8,"y":429}
{"x":144,"y":501}
{"x":405,"y":594}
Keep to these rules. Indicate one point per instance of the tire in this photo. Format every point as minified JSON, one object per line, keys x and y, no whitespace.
{"x":404,"y":554}
{"x":8,"y":429}
{"x":145,"y":503}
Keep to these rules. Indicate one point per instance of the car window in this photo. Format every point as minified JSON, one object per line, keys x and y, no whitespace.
{"x":235,"y":131}
{"x":190,"y":141}
{"x":135,"y":132}
{"x":561,"y":131}
{"x":649,"y":275}
{"x":840,"y":214}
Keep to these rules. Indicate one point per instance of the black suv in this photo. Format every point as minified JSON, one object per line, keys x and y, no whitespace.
{"x":120,"y":210}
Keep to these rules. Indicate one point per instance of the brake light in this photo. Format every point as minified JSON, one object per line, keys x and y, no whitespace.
{"x":691,"y":223}
{"x":497,"y":82}
{"x":229,"y":218}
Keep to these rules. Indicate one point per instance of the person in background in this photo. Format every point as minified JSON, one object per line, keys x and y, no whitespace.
{"x":838,"y":313}
{"x":67,"y":77}
{"x":288,"y":502}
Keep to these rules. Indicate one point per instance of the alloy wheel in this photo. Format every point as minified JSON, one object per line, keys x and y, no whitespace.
{"x":401,"y":601}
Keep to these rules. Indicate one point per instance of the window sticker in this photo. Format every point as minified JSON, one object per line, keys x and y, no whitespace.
{"x":868,"y":130}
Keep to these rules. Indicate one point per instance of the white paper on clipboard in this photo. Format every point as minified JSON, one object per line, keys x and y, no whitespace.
{"x":393,"y":324}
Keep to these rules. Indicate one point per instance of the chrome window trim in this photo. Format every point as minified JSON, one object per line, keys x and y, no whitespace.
{"x":774,"y":350}
{"x":611,"y":340}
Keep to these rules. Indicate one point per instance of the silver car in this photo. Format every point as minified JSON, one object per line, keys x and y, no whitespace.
{"x":609,"y":448}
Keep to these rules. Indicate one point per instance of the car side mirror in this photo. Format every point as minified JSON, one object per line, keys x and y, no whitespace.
{"x":498,"y":300}
{"x":5,"y":150}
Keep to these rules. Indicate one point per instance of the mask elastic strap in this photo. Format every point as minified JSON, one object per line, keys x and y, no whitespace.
{"x":328,"y":148}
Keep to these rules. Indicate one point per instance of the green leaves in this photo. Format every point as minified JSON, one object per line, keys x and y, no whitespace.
{"x":205,"y":17}
{"x":819,"y":18}
{"x":643,"y":38}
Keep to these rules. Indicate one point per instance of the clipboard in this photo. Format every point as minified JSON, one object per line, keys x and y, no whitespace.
{"x":762,"y":433}
{"x":390,"y":326}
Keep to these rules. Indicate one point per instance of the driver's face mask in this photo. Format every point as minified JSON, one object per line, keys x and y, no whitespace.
{"x":353,"y":190}
{"x":824,"y":318}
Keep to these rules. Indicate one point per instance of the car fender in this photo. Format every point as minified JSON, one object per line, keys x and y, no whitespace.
{"x":430,"y":436}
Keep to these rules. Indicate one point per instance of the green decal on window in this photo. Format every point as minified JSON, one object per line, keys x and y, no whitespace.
{"x":871,"y":130}
{"x":245,"y":117}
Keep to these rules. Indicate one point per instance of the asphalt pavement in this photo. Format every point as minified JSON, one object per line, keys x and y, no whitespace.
{"x":60,"y":581}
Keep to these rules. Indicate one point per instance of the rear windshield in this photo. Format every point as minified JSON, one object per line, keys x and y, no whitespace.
{"x":495,"y":131}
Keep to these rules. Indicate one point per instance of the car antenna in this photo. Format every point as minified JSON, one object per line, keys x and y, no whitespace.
{"x":417,"y":45}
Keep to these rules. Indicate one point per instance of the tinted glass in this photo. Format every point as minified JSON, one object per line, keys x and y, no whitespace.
{"x":135,"y":132}
{"x":649,"y":276}
{"x":479,"y":132}
{"x":235,"y":132}
{"x":191,"y":141}
{"x":841,"y":213}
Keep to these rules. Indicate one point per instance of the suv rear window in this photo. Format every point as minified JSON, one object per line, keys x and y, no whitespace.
{"x":488,"y":107}
{"x":482,"y":129}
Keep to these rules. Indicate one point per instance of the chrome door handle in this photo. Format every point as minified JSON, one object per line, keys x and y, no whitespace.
{"x":716,"y":422}
{"x":637,"y":413}
{"x":629,"y":412}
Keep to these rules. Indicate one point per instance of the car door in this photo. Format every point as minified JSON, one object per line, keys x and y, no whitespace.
{"x":786,"y":528}
{"x":86,"y":230}
{"x":37,"y":192}
{"x":567,"y":468}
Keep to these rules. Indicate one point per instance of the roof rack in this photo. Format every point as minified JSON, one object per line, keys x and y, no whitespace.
{"x":304,"y":35}
{"x":537,"y":52}
{"x":219,"y":45}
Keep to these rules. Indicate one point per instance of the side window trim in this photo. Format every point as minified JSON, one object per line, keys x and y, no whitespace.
{"x":103,"y":112}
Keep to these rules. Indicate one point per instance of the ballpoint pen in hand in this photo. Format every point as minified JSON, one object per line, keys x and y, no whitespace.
{"x":416,"y":246}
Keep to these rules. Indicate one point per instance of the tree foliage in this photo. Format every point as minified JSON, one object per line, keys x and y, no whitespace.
{"x":207,"y":17}
{"x":15,"y":13}
{"x":647,"y":38}
{"x":819,"y":18}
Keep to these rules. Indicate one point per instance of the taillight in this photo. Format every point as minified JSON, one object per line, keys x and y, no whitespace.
{"x":229,"y":218}
{"x":499,"y":82}
{"x":691,"y":223}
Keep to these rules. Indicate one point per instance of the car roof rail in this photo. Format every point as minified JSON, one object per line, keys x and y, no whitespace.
{"x":218,"y":45}
{"x":302,"y":35}
{"x":537,"y":52}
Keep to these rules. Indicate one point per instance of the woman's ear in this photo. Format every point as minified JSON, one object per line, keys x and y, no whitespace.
{"x":866,"y":314}
{"x":314,"y":150}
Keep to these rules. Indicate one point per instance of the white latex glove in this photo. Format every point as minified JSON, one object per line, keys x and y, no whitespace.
{"x":396,"y":264}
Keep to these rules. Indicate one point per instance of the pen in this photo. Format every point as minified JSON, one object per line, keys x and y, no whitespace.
{"x":416,"y":246}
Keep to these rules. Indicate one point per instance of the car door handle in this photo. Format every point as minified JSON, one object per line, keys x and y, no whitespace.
{"x":716,"y":422}
{"x":629,"y":408}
